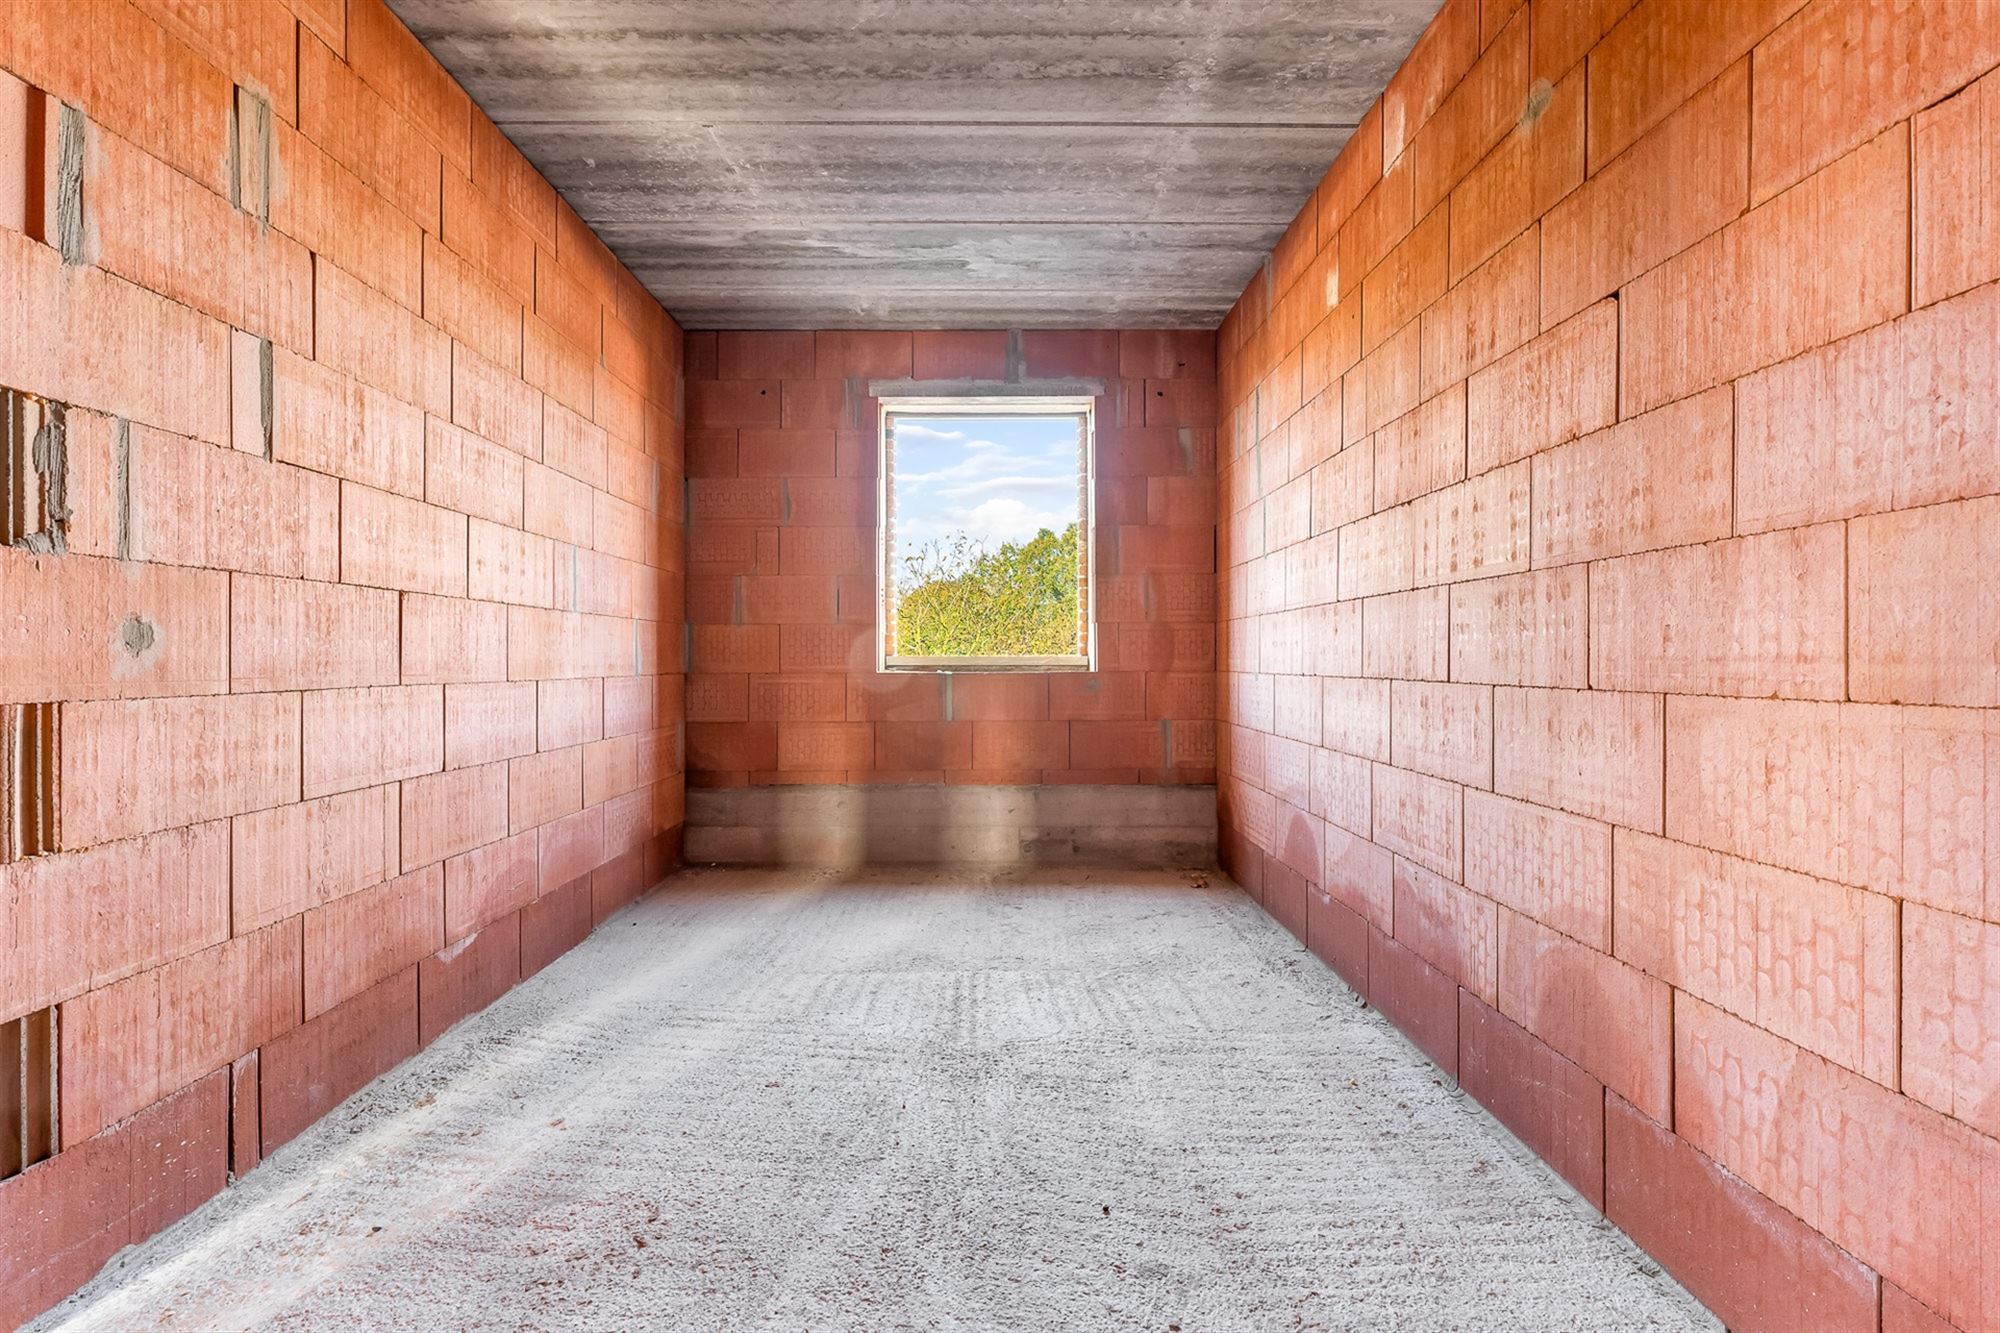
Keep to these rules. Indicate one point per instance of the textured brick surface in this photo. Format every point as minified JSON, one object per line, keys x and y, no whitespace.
{"x":782,"y":555}
{"x":372,"y":471}
{"x":1663,"y":683}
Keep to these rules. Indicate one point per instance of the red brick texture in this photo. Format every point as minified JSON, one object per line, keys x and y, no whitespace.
{"x":1609,"y":480}
{"x":361,"y":638}
{"x":783,"y":449}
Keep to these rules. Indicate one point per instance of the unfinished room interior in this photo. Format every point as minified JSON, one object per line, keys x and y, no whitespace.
{"x":1015,"y":665}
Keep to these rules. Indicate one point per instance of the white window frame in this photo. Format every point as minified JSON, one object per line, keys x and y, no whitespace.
{"x":947,"y":406}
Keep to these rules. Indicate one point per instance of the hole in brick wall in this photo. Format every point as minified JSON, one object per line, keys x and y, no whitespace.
{"x":34,"y":490}
{"x":28,"y":1054}
{"x":29,"y":765}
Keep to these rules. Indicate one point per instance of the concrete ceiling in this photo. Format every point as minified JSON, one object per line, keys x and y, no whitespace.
{"x":930,"y":163}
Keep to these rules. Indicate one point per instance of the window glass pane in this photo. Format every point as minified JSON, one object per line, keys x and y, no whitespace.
{"x":988,"y":532}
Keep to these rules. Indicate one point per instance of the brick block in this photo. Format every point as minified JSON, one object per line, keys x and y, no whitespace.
{"x":80,"y":628}
{"x":1951,"y":1015}
{"x":1609,"y":1017}
{"x":895,"y":698}
{"x":1472,"y":530}
{"x":158,"y":93}
{"x":481,"y":230}
{"x":1593,"y":753}
{"x":172,"y":235}
{"x":471,"y":307}
{"x":246,"y":1148}
{"x":1656,"y":59}
{"x":504,"y":564}
{"x":544,"y":787}
{"x":1917,"y":637}
{"x":359,"y":332}
{"x":292,"y":634}
{"x":1494,"y":310}
{"x":129,"y":1044}
{"x":1813,"y":961}
{"x":1421,"y":451}
{"x":1903,"y":1313}
{"x":1852,"y":218}
{"x":447,"y":813}
{"x":1521,"y":629}
{"x":336,"y":424}
{"x":1558,"y":386}
{"x":1361,"y":877}
{"x":554,"y":924}
{"x":1957,"y":151}
{"x":1662,"y":479}
{"x":356,"y":942}
{"x":781,"y":355}
{"x":1536,"y":165}
{"x":1892,"y":418}
{"x":1474,"y":116}
{"x":319,"y":202}
{"x":1549,"y":1102}
{"x":511,"y":181}
{"x":575,"y":446}
{"x":1454,"y":931}
{"x":100,"y":1195}
{"x":819,"y":747}
{"x":1420,"y":817}
{"x":1680,"y":182}
{"x":1837,"y":74}
{"x":1339,"y":938}
{"x":489,"y":884}
{"x":1342,"y":790}
{"x":1553,"y":867}
{"x":86,"y":919}
{"x":1444,"y":730}
{"x":388,"y":541}
{"x":228,"y":755}
{"x":467,"y":975}
{"x":1748,"y":1260}
{"x":1440,"y":58}
{"x":972,"y":355}
{"x":567,"y":306}
{"x":383,"y":52}
{"x":1891,"y":799}
{"x":493,"y":402}
{"x":1409,"y":278}
{"x":466,"y":473}
{"x":1355,"y":716}
{"x":188,"y":503}
{"x":1764,"y":616}
{"x":449,"y":640}
{"x":732,"y":746}
{"x":365,"y":737}
{"x":347,"y":118}
{"x":1407,"y":635}
{"x":296,"y":857}
{"x":1418,"y":998}
{"x":312,"y":1069}
{"x":125,"y":326}
{"x":1096,"y":695}
{"x":1890,"y":1181}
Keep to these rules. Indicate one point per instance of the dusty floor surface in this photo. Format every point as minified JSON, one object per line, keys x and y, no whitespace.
{"x":765,"y":1100}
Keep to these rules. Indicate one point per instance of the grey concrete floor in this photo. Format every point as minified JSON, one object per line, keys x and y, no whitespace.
{"x":916,"y":1100}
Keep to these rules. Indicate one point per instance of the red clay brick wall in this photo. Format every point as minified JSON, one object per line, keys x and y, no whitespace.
{"x":782,"y":458}
{"x":1610,"y":491}
{"x":363,"y":644}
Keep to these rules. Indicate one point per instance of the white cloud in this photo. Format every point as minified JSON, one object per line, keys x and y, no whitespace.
{"x":911,"y":430}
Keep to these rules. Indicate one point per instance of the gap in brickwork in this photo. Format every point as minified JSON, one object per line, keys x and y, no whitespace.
{"x":28,"y":1055}
{"x":29,"y":764}
{"x":34,"y":504}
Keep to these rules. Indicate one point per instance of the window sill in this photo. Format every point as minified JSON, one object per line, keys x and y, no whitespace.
{"x":942,"y":665}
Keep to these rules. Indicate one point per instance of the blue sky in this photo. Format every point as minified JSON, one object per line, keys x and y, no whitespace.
{"x":997,"y":479}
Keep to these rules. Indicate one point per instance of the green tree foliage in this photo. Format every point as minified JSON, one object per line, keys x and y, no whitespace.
{"x":956,"y":598}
